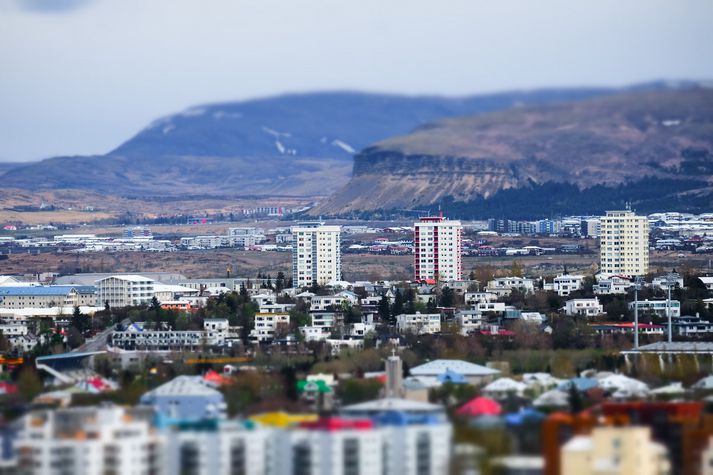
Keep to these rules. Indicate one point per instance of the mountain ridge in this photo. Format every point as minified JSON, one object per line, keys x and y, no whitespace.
{"x":600,"y":144}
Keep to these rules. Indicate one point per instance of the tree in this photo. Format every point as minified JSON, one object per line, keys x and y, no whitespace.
{"x":29,"y":383}
{"x":398,"y":307}
{"x":447,"y":297}
{"x":80,"y":321}
{"x":384,"y":308}
{"x":280,"y":281}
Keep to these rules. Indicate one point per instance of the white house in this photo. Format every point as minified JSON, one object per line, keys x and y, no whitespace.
{"x":583,"y":307}
{"x":507,"y":284}
{"x":266,"y":324}
{"x":614,"y":285}
{"x":658,"y":307}
{"x":469,"y":321}
{"x":565,"y":284}
{"x":472,"y":298}
{"x":419,"y":323}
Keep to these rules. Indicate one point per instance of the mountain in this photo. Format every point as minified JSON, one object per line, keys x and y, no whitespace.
{"x":653,"y":148}
{"x":298,"y":144}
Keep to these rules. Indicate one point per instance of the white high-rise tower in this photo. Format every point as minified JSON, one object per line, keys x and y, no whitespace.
{"x":316,"y":254}
{"x":624,"y":242}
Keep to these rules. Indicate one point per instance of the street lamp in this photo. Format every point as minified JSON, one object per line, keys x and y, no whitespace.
{"x":637,"y":287}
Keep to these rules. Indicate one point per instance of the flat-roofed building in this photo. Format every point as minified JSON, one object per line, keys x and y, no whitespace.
{"x":316,"y":254}
{"x":125,"y":290}
{"x":624,"y":244}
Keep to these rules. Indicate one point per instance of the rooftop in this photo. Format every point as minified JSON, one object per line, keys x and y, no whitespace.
{"x":438,"y":367}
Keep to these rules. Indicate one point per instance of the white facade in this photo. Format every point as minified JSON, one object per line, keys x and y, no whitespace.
{"x":503,"y":285}
{"x":614,"y":285}
{"x":420,"y":323}
{"x":479,"y":297}
{"x":88,"y":441}
{"x":438,"y":249}
{"x":565,"y":284}
{"x":229,"y":448}
{"x":658,"y":307}
{"x":124,"y":290}
{"x":624,"y":244}
{"x":266,"y":324}
{"x":316,"y":254}
{"x":583,"y":307}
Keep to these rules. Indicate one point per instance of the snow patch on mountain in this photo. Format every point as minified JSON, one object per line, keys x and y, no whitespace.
{"x":343,"y":145}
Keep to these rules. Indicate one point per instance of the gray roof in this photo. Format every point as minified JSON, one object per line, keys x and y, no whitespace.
{"x":44,"y":290}
{"x":393,"y":404}
{"x":90,"y":278}
{"x":439,"y":367}
{"x":183,"y":386}
{"x":674,"y":347}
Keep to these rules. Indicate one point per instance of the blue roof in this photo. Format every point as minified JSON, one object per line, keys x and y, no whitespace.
{"x":452,"y":377}
{"x":524,"y":416}
{"x":58,"y":290}
{"x":399,"y":418}
{"x":581,"y":384}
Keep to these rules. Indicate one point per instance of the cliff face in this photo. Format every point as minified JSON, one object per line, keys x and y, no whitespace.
{"x":605,"y":143}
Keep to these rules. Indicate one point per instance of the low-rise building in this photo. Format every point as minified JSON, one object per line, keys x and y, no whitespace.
{"x":615,"y":450}
{"x":419,"y":323}
{"x":614,"y":285}
{"x":88,"y":440}
{"x":185,"y":399}
{"x":136,"y":337}
{"x":504,"y":285}
{"x":472,"y":298}
{"x":583,"y":307}
{"x":565,"y":284}
{"x":124,"y":290}
{"x":657,"y":307}
{"x":267,"y":326}
{"x":691,"y":327}
{"x":44,"y":296}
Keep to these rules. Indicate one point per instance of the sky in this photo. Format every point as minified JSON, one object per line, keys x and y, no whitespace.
{"x":80,"y":77}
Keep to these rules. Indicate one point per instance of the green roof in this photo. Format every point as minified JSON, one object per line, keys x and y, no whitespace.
{"x":316,"y":385}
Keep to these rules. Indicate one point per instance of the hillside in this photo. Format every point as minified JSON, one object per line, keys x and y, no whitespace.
{"x":299,"y":144}
{"x":653,"y":148}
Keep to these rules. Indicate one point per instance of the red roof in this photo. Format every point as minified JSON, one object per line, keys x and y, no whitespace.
{"x":337,"y":423}
{"x":498,"y":333}
{"x":480,"y":406}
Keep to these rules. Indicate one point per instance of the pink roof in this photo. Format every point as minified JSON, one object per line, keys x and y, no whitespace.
{"x":480,"y":406}
{"x":337,"y":423}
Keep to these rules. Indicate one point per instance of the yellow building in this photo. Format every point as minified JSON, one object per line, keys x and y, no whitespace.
{"x":615,"y":451}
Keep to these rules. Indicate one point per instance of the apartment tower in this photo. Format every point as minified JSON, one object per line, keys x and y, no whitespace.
{"x":437,"y":245}
{"x":316,"y":254}
{"x":624,"y":242}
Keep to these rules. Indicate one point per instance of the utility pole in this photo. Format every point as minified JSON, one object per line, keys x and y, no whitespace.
{"x":671,"y":279}
{"x":637,"y":286}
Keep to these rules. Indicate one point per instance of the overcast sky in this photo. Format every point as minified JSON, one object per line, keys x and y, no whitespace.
{"x":81,"y":76}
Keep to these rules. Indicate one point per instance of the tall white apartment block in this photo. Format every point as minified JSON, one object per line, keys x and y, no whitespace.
{"x":624,"y":244}
{"x":316,"y":254}
{"x":438,"y":249}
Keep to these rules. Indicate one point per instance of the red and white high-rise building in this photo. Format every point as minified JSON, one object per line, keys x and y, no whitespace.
{"x":437,"y":245}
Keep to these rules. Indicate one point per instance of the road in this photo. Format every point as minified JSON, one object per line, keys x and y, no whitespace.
{"x":98,"y":343}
